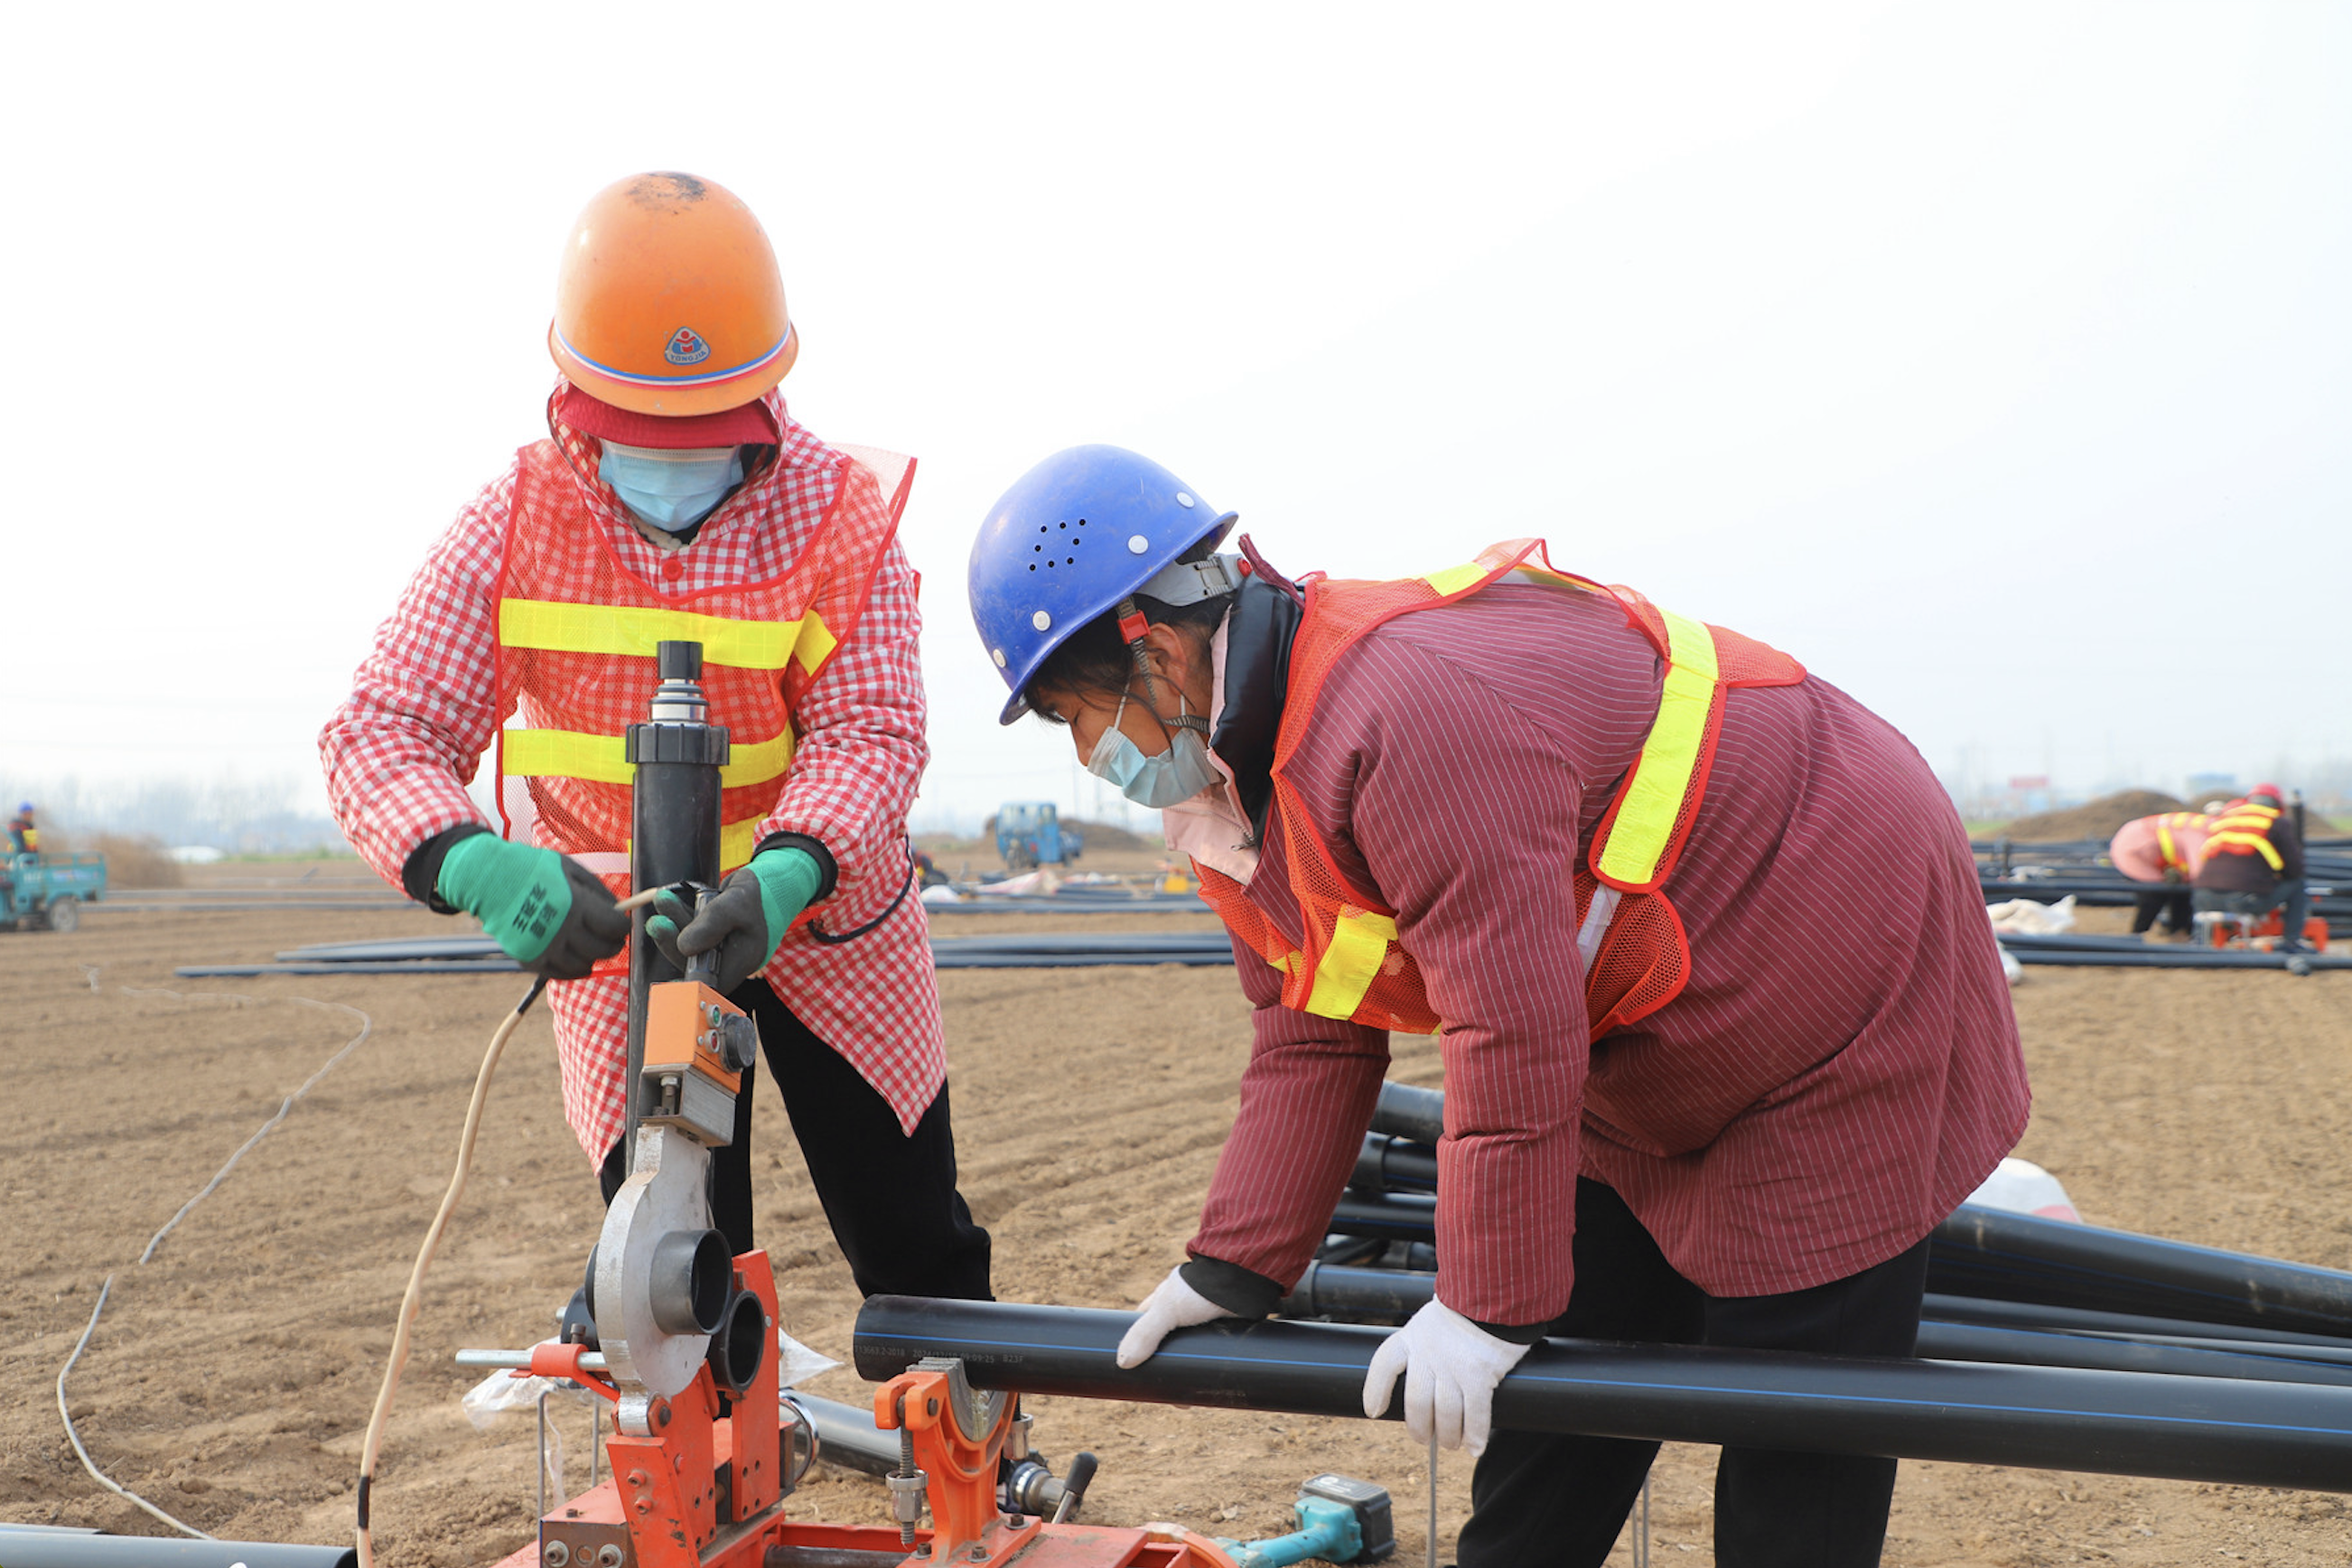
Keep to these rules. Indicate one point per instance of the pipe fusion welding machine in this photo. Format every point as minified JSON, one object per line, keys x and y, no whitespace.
{"x":685,"y":1331}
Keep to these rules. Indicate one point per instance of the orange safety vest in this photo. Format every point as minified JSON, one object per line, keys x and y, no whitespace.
{"x":1347,"y":962}
{"x":2167,"y":852}
{"x":579,"y":630}
{"x":2244,"y":829}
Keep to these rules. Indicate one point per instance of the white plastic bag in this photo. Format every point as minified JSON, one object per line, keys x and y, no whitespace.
{"x":796,"y":1363}
{"x":2021,"y":1186}
{"x":2026,"y":917}
{"x":502,"y":1392}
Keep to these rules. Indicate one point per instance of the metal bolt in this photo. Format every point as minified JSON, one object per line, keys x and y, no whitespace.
{"x":608,"y":1556}
{"x":1137,"y":545}
{"x":1042,"y":621}
{"x":979,"y":1552}
{"x":644,"y":1505}
{"x":556,"y":1554}
{"x":661,"y":1412}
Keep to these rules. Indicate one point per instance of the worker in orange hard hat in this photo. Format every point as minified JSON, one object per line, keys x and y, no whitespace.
{"x":674,"y":498}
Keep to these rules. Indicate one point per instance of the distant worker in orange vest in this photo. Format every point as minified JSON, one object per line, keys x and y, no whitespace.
{"x":674,"y":498}
{"x":2253,"y":864}
{"x":2169,"y":848}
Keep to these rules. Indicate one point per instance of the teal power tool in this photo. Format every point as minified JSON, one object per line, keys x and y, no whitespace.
{"x":1341,"y":1520}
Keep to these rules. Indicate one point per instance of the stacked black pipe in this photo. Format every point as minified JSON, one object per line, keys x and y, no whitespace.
{"x":2047,"y":1344}
{"x":2049,"y":872}
{"x":2001,"y":1287}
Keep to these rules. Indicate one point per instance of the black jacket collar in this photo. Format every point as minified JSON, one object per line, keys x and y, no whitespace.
{"x":1259,"y":635}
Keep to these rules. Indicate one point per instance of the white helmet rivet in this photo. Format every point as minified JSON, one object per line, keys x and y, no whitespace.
{"x":1042,"y":621}
{"x":1182,"y":499}
{"x":1137,"y":545}
{"x":999,"y":655}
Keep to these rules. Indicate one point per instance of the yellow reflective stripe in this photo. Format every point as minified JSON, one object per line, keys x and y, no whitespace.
{"x":816,"y":642}
{"x":1645,"y":818}
{"x":1360,"y":945}
{"x":603,"y":758}
{"x":2164,"y":842}
{"x":2255,"y":841}
{"x":1454,"y":579}
{"x":565,"y":754}
{"x":757,"y":763}
{"x":605,"y":629}
{"x":735,"y":842}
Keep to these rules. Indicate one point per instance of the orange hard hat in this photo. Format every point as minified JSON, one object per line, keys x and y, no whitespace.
{"x":668,"y":301}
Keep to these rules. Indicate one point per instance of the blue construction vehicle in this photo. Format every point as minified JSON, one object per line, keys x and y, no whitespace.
{"x":1029,"y":833}
{"x":46,"y":892}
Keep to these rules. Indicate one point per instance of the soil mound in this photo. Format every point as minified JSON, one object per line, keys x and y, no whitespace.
{"x":1104,"y":836}
{"x":2099,"y":818}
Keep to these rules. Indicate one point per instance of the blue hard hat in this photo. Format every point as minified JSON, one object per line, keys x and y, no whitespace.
{"x":1073,"y":537}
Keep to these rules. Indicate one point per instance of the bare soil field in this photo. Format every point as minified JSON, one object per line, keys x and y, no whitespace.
{"x":231,"y":1376}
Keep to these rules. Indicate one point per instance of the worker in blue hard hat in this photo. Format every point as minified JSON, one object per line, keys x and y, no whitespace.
{"x":1587,"y":836}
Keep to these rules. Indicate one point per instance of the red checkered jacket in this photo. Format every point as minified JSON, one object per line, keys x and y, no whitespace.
{"x":426,"y":706}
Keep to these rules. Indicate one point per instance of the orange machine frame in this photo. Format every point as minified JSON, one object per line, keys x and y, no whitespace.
{"x":703,"y":1488}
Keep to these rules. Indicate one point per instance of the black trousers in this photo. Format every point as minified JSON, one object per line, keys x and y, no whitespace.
{"x":1561,"y":1501}
{"x":2174,"y":903}
{"x":890,"y":1195}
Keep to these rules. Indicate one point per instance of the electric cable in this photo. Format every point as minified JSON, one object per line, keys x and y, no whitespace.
{"x":412,"y":1296}
{"x":65,"y":1414}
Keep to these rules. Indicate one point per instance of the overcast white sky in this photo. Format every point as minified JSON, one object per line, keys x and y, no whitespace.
{"x":1994,"y":359}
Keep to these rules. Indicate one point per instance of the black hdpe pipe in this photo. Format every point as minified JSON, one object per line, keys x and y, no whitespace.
{"x":2180,"y":958}
{"x":1395,"y":1164}
{"x":26,"y":1547}
{"x":2001,"y":1314}
{"x":1405,"y":1112}
{"x":2051,"y":1263}
{"x":2117,"y":1423}
{"x":1392,"y":1295}
{"x":1987,"y":1252}
{"x":2017,"y":1257}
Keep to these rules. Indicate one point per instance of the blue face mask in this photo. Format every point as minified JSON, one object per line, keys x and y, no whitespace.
{"x":1175,"y":775}
{"x":671,"y":489}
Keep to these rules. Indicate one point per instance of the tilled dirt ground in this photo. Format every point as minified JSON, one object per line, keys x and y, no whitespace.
{"x":230,"y":1378}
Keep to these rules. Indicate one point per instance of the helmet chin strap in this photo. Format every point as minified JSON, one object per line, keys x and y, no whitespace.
{"x":1135,"y":629}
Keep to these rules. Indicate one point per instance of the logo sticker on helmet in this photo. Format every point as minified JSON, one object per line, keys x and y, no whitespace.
{"x":685,"y":347}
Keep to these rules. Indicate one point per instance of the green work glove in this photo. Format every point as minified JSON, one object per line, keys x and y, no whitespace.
{"x":547,"y":912}
{"x":744,"y":919}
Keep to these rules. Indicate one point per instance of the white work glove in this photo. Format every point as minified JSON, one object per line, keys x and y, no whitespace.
{"x":1451,"y":1367}
{"x":1171,"y":1305}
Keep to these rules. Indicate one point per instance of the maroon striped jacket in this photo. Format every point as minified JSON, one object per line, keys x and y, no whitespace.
{"x":1841,"y":1072}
